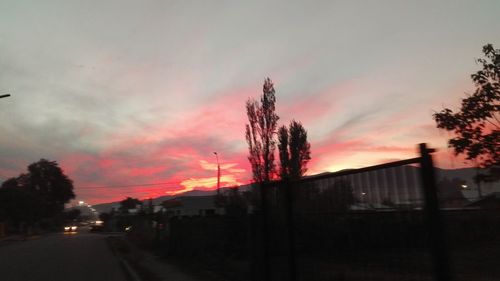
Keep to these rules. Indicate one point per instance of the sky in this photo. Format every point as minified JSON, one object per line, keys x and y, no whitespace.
{"x":132,"y":98}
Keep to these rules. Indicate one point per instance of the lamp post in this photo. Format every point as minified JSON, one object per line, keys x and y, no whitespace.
{"x":218,"y":173}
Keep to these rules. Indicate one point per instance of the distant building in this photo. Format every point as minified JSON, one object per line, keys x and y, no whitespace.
{"x":157,"y":208}
{"x":190,"y":206}
{"x":491,"y":201}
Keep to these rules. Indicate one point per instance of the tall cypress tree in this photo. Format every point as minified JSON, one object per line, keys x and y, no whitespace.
{"x":294,"y":151}
{"x":260,"y":131}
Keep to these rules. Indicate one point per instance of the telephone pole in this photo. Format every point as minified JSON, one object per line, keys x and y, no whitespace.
{"x":218,"y":173}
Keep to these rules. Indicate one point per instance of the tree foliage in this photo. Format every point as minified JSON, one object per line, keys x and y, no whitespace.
{"x":39,"y":193}
{"x":294,"y":151}
{"x":283,"y":152}
{"x":260,"y":131}
{"x":18,"y":204}
{"x":477,"y":124}
{"x":47,"y":180}
{"x":129,"y":203}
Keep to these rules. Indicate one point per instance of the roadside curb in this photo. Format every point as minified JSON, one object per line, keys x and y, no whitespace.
{"x":143,"y":265}
{"x":129,"y":270}
{"x":132,"y":275}
{"x":19,"y":238}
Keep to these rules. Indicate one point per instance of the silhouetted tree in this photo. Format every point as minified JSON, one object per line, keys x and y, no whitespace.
{"x":48,"y":181}
{"x":492,"y":175}
{"x":260,"y":131}
{"x":284,"y":154}
{"x":129,"y":203}
{"x":44,"y":189}
{"x":477,"y":125}
{"x":18,"y":205}
{"x":11,"y":183}
{"x":294,"y":151}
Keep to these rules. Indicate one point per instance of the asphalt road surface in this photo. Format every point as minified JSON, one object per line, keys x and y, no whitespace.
{"x":54,"y":257}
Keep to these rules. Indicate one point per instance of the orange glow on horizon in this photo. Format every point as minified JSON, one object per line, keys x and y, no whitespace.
{"x":210,"y":182}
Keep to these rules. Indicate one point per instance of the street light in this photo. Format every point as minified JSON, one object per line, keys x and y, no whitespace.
{"x":218,"y":173}
{"x":363,"y":194}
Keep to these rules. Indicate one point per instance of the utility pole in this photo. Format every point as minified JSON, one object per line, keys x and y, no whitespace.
{"x":434,"y":220}
{"x":4,"y":96}
{"x":218,"y":173}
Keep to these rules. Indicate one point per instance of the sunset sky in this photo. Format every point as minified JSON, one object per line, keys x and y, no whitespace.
{"x":130,"y":93}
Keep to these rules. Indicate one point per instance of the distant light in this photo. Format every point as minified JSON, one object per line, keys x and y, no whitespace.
{"x":464,"y":186}
{"x":99,"y":222}
{"x":81,"y":203}
{"x":89,"y":205}
{"x":363,"y":193}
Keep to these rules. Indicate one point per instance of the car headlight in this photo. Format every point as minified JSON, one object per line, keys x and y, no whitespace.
{"x":66,"y":228}
{"x":73,"y":228}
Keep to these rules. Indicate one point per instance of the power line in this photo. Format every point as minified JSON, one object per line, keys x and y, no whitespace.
{"x":129,"y":185}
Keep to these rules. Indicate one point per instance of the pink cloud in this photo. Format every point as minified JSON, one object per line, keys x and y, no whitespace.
{"x":180,"y":151}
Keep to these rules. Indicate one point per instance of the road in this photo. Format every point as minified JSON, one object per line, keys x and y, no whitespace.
{"x":82,"y":256}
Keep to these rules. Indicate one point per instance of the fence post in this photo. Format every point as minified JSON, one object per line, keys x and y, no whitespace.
{"x":265,"y":231}
{"x":438,"y":248}
{"x":290,"y":187}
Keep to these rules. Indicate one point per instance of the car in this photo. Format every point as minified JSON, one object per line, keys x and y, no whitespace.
{"x":70,"y":228}
{"x":97,"y":226}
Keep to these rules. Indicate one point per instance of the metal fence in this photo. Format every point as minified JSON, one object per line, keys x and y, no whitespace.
{"x":382,"y":222}
{"x":375,"y":223}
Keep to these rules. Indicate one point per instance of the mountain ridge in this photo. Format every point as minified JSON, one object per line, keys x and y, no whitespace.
{"x":466,"y":174}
